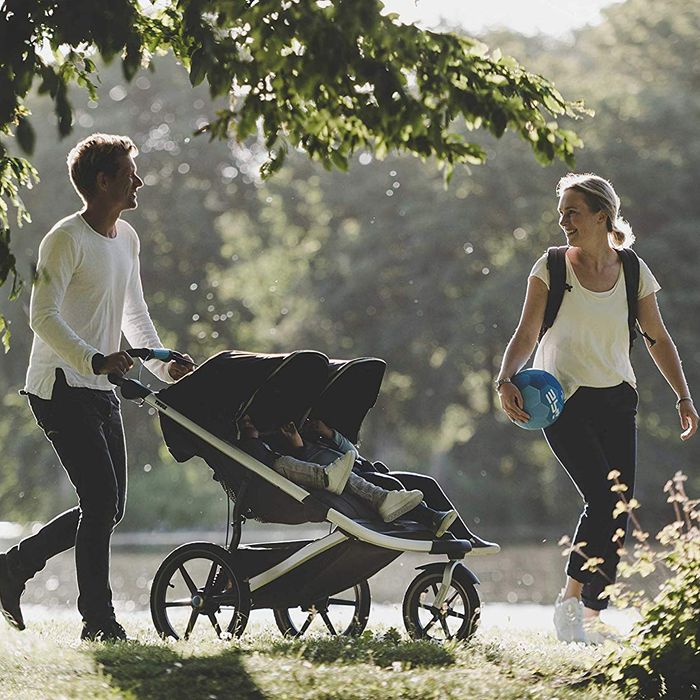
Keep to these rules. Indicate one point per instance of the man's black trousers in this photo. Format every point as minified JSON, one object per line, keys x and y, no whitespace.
{"x":85,"y":429}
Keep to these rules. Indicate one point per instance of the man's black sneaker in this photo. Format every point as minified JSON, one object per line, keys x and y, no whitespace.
{"x":110,"y":631}
{"x":10,"y":593}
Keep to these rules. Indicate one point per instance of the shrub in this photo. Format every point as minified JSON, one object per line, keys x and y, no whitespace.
{"x":662,"y":658}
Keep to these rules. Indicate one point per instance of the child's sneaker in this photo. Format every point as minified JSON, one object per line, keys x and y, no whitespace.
{"x":338,"y":472}
{"x":568,"y":619}
{"x":398,"y":503}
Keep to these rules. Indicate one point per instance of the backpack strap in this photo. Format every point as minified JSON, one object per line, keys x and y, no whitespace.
{"x":556,"y":264}
{"x":630,"y":266}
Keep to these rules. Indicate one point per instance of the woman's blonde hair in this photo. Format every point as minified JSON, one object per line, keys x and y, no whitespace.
{"x":600,"y":196}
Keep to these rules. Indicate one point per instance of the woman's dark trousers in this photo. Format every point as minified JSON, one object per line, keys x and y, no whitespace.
{"x":595,"y":434}
{"x":85,"y":429}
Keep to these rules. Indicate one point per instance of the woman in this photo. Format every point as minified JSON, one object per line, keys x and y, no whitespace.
{"x":587,"y":349}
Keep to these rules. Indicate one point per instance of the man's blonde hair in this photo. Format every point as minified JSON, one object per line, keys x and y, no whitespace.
{"x":98,"y":153}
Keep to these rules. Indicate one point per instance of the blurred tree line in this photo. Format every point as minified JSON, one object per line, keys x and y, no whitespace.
{"x":384,"y":260}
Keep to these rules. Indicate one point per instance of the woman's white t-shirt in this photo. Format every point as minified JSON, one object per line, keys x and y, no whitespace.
{"x":588,"y":344}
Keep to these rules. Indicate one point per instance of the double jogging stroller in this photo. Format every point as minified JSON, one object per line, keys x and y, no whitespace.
{"x":319,"y":582}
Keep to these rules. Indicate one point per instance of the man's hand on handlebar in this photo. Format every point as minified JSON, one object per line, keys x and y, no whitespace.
{"x":177,"y":370}
{"x":117,"y":362}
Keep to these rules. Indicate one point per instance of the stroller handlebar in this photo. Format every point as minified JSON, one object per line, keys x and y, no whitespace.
{"x":145,"y":354}
{"x":162,"y":354}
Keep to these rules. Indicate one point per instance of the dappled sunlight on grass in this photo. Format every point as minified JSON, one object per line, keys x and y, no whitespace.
{"x":388,"y":649}
{"x":47,"y":661}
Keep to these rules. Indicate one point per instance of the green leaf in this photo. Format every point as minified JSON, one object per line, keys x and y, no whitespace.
{"x":26,"y":138}
{"x":339,"y":160}
{"x":5,"y":333}
{"x":198,"y":67}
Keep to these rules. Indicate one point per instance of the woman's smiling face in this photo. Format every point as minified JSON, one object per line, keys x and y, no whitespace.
{"x":576,"y":218}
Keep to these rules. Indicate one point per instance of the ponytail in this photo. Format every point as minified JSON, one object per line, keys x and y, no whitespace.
{"x":620,"y":233}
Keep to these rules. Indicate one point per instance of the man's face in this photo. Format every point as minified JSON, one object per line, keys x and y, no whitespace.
{"x":121,"y":188}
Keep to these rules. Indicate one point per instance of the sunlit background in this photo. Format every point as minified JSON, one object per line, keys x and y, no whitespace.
{"x":555,"y":17}
{"x":387,"y":261}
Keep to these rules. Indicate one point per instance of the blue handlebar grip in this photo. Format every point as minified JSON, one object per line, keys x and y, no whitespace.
{"x":162,"y":354}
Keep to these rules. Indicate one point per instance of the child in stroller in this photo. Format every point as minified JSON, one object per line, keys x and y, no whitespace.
{"x":436,"y":511}
{"x":306,"y":463}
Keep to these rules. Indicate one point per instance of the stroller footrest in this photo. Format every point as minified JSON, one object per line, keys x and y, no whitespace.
{"x":452,"y":548}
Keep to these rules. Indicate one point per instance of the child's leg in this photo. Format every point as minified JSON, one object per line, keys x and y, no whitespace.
{"x":363,"y":489}
{"x":432,"y":518}
{"x":389,"y":504}
{"x":331,"y":478}
{"x":302,"y":473}
{"x":306,"y":474}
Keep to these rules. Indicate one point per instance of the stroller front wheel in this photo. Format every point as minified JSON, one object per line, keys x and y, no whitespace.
{"x":456,"y":618}
{"x":197,"y":581}
{"x":344,"y":614}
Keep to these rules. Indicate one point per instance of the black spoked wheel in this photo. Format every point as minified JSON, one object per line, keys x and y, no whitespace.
{"x":456,"y":618}
{"x":343,"y":614}
{"x":196,"y":584}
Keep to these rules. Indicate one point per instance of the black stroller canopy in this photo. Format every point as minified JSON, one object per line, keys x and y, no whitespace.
{"x":273,"y":389}
{"x":351,"y":390}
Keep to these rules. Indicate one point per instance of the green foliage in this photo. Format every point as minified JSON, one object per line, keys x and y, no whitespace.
{"x":14,"y":173}
{"x":334,"y":78}
{"x":661,"y":659}
{"x":327,"y":78}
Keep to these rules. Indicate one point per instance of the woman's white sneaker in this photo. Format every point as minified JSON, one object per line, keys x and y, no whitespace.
{"x":568,"y":619}
{"x":597,"y":632}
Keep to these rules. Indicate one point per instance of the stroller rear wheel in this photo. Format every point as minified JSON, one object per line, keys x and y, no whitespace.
{"x":345,"y":614}
{"x":197,"y":580}
{"x":456,"y":618}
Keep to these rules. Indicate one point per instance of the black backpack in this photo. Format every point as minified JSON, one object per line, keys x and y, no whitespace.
{"x":556,"y":264}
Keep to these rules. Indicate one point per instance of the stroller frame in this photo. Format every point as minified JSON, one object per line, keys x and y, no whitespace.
{"x":241,"y":589}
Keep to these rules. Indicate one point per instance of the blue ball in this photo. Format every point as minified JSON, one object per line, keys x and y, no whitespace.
{"x":543,"y":398}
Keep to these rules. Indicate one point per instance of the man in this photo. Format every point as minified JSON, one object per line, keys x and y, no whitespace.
{"x":88,"y":292}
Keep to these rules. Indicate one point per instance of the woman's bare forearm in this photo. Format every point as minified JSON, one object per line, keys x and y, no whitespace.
{"x":666,"y":358}
{"x":517,"y":353}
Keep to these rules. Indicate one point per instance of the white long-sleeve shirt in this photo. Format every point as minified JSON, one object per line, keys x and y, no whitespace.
{"x":88,"y":291}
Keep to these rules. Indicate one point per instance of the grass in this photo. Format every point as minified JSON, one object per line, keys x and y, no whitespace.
{"x":46,"y":661}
